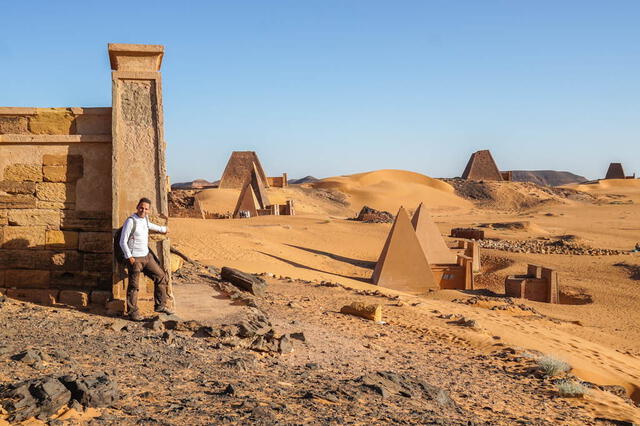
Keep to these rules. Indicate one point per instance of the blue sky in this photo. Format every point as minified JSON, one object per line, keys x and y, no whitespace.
{"x":337,"y":87}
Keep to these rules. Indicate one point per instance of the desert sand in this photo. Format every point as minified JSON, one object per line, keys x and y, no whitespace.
{"x":601,"y":340}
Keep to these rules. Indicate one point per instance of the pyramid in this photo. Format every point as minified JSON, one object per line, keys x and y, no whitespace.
{"x":481,"y":167}
{"x":239,"y":168}
{"x":247,"y":201}
{"x":259,"y":187}
{"x":433,"y":245}
{"x":402,"y":264}
{"x":615,"y":171}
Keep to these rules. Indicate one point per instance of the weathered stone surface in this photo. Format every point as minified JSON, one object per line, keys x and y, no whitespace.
{"x":100,"y":297}
{"x":73,"y":279}
{"x":23,"y":172}
{"x":61,"y":239}
{"x":13,"y":187}
{"x":19,"y":259}
{"x":75,"y":298}
{"x":36,"y":397}
{"x":2,"y":275}
{"x":41,"y":296}
{"x":55,"y":205}
{"x":69,"y":260}
{"x":54,"y":160}
{"x":97,"y":262}
{"x":3,"y":221}
{"x":18,"y":201}
{"x":55,"y":191}
{"x":86,"y":221}
{"x":27,"y":278}
{"x":93,"y":124}
{"x":59,"y":174}
{"x":115,"y":306}
{"x":371,"y":312}
{"x":96,"y":242}
{"x":58,"y":121}
{"x":13,"y":125}
{"x":244,"y":281}
{"x":92,"y":391}
{"x":34,"y":217}
{"x":20,"y":237}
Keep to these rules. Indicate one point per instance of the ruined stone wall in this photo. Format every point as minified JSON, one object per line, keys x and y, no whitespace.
{"x":454,"y":276}
{"x":55,"y":204}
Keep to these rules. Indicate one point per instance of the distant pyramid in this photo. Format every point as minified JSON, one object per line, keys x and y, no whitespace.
{"x":615,"y":171}
{"x":482,"y":167}
{"x":253,"y":196}
{"x":433,"y":245}
{"x":402,"y":264}
{"x":239,"y":168}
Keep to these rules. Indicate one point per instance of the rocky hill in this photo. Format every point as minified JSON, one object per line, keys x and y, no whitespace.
{"x":305,"y":179}
{"x":547,"y":177}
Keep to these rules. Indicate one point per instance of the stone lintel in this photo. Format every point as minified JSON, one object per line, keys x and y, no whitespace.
{"x":53,"y":139}
{"x":135,"y":57}
{"x":17,"y":111}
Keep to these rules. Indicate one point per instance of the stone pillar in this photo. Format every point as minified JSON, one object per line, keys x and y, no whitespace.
{"x":139,"y":167}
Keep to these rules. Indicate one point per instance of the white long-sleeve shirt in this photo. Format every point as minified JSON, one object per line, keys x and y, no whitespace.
{"x":137,"y":244}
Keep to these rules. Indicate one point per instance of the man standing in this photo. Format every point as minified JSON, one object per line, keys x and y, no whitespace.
{"x":134,"y":242}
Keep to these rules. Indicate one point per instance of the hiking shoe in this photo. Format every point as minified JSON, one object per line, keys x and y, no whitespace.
{"x":164,"y":310}
{"x":135,"y":316}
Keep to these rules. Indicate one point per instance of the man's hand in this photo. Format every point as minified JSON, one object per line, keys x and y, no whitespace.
{"x":132,"y":260}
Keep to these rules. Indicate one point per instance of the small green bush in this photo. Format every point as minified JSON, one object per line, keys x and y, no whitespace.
{"x":571,"y":389}
{"x":550,"y":366}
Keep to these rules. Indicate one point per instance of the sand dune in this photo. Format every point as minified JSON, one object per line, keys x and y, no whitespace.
{"x":389,"y":189}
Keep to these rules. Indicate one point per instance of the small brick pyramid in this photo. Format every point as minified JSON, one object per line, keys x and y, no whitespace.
{"x":239,"y":168}
{"x":402,"y":264}
{"x":481,"y":166}
{"x":253,"y":195}
{"x":615,"y":171}
{"x":433,"y":245}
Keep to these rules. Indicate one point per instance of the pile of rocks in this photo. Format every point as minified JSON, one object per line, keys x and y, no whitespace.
{"x":548,"y":247}
{"x":370,"y":215}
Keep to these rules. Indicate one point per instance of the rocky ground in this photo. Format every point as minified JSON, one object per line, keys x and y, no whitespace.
{"x":294,"y":360}
{"x":549,"y":246}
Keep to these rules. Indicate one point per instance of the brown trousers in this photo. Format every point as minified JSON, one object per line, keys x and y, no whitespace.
{"x":146,"y":265}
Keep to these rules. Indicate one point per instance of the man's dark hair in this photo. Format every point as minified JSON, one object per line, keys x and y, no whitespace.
{"x":144,"y":200}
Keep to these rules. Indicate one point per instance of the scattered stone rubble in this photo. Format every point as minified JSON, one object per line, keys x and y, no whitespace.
{"x":540,"y":246}
{"x":371,"y":215}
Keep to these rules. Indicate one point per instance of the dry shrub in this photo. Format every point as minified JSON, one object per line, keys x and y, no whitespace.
{"x":571,"y":389}
{"x":550,"y":366}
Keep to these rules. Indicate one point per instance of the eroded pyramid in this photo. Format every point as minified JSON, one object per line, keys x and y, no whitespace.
{"x":481,"y":166}
{"x":402,"y":264}
{"x":434,"y":247}
{"x":239,"y":168}
{"x":615,"y":171}
{"x":259,"y":187}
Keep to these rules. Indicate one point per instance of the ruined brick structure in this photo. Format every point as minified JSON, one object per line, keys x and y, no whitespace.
{"x":67,"y":182}
{"x":253,"y":200}
{"x":481,"y":166}
{"x":615,"y":171}
{"x":415,"y":258}
{"x":239,"y":168}
{"x":539,"y":284}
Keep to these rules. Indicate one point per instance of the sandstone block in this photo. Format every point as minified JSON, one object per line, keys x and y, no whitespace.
{"x":3,"y":220}
{"x":56,"y":191}
{"x":371,"y":312}
{"x":21,"y":237}
{"x":70,"y":171}
{"x":90,"y":124}
{"x":25,"y":278}
{"x":52,"y":122}
{"x":69,"y":260}
{"x":17,"y":201}
{"x":98,"y":262}
{"x":176,"y":262}
{"x":13,"y":125}
{"x":23,"y":172}
{"x":86,"y":221}
{"x":79,"y":299}
{"x":54,"y":160}
{"x":14,"y":187}
{"x":96,"y":242}
{"x":61,"y":239}
{"x":19,"y":259}
{"x":100,"y":297}
{"x":116,"y":307}
{"x":55,"y":205}
{"x":34,"y":217}
{"x":41,"y":296}
{"x":73,"y":279}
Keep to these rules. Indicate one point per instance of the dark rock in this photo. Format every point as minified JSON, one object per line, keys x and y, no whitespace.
{"x":284,"y":345}
{"x":370,"y":215}
{"x":33,"y":398}
{"x":206,"y":331}
{"x":243,"y":281}
{"x":298,"y":336}
{"x":229,"y":390}
{"x":29,"y":356}
{"x":92,"y":391}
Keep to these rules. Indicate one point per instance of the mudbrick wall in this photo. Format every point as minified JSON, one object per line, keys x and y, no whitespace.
{"x":69,"y":177}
